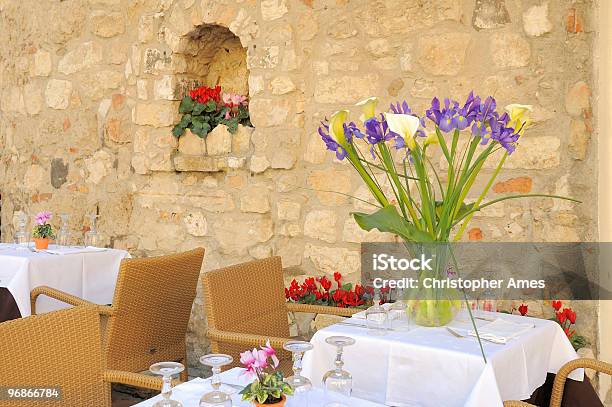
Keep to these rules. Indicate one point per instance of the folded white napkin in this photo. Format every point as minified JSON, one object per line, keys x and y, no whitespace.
{"x":75,"y":250}
{"x":501,"y":330}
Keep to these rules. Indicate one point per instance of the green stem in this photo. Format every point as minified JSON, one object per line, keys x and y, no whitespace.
{"x":482,"y":195}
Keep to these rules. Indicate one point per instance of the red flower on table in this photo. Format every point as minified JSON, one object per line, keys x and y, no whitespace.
{"x":556,"y":305}
{"x":523,"y":309}
{"x":561,"y":317}
{"x":570,"y":314}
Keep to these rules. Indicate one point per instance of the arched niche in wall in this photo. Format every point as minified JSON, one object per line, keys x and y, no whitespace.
{"x":212,"y":56}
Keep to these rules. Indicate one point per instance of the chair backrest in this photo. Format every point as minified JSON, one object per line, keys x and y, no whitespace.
{"x":59,"y":349}
{"x":247,"y":298}
{"x":151,"y":310}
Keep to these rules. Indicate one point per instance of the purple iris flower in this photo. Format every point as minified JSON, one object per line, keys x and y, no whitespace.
{"x":351,"y":130}
{"x":400,"y":109}
{"x":506,"y":136}
{"x":330,"y":143}
{"x":443,"y":117}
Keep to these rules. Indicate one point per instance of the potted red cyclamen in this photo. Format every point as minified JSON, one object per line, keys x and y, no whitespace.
{"x":268,"y":389}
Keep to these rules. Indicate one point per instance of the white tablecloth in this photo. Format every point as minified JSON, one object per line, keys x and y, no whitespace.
{"x":90,"y":275}
{"x":189,"y":394}
{"x":431,"y":367}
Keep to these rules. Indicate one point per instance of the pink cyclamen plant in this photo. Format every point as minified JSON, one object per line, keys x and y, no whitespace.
{"x":43,"y":217}
{"x":256,"y":361}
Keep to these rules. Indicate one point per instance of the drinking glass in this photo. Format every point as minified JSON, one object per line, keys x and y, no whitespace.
{"x":63,"y":234}
{"x":21,"y":236}
{"x":301,"y":385}
{"x":92,"y":238}
{"x":216,"y":397}
{"x":167,"y":370}
{"x":338,"y":383}
{"x":398,"y":314}
{"x":487,"y":302}
{"x":376,"y":316}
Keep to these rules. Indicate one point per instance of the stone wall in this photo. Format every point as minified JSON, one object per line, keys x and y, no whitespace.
{"x":89,"y":92}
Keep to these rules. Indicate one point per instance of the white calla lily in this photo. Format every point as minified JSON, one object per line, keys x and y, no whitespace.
{"x":405,"y":125}
{"x":336,"y":126}
{"x":368,"y":108}
{"x":520,"y":116}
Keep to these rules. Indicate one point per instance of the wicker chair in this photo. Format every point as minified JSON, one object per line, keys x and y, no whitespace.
{"x":245,"y":307}
{"x":561,"y":377}
{"x":62,"y":349}
{"x":150,"y":311}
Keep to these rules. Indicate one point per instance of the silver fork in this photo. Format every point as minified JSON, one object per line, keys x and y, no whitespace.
{"x":458,"y":335}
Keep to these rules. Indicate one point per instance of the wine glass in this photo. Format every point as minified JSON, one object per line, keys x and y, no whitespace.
{"x":63,"y":234}
{"x":376,"y":316}
{"x":216,"y":397}
{"x":338,"y":383}
{"x":397,"y":313}
{"x":301,"y":385}
{"x":92,"y":238}
{"x":167,"y":370}
{"x":21,"y":236}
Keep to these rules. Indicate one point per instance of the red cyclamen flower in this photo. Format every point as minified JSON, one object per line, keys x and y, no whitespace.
{"x":561,"y":317}
{"x":556,"y":305}
{"x":523,"y":309}
{"x":570,"y":314}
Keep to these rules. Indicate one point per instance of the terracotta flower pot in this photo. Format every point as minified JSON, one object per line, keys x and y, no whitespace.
{"x":280,"y":403}
{"x":42,"y":243}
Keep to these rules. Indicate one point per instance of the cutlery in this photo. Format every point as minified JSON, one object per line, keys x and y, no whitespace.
{"x":459,"y":335}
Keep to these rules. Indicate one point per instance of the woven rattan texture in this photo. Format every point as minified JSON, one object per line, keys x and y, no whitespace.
{"x":151,"y":310}
{"x":566,"y":369}
{"x":60,"y":348}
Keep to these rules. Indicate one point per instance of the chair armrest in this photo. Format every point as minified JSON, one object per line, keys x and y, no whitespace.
{"x":64,"y":297}
{"x":135,"y":379}
{"x":322,"y":309}
{"x":56,"y":294}
{"x":248,"y":340}
{"x":559,"y":383}
{"x":516,"y":403}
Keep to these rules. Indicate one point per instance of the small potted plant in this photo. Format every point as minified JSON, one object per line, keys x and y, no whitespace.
{"x":43,"y":231}
{"x":268,"y":388}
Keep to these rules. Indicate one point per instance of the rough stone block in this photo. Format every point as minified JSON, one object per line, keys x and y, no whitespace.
{"x":107,"y":25}
{"x":219,"y":141}
{"x":57,"y":94}
{"x":321,"y":224}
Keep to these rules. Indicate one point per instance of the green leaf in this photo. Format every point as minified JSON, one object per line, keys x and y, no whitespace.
{"x":347,"y":286}
{"x":186,"y":105}
{"x":210,"y":106}
{"x":232,"y":125}
{"x":185,"y":120}
{"x":389,"y":220}
{"x":199,"y":109}
{"x":178,"y":131}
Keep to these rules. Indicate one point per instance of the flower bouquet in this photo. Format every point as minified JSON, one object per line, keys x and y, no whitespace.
{"x":269,"y":387}
{"x":424,"y":204}
{"x":205,"y":108}
{"x":43,"y":231}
